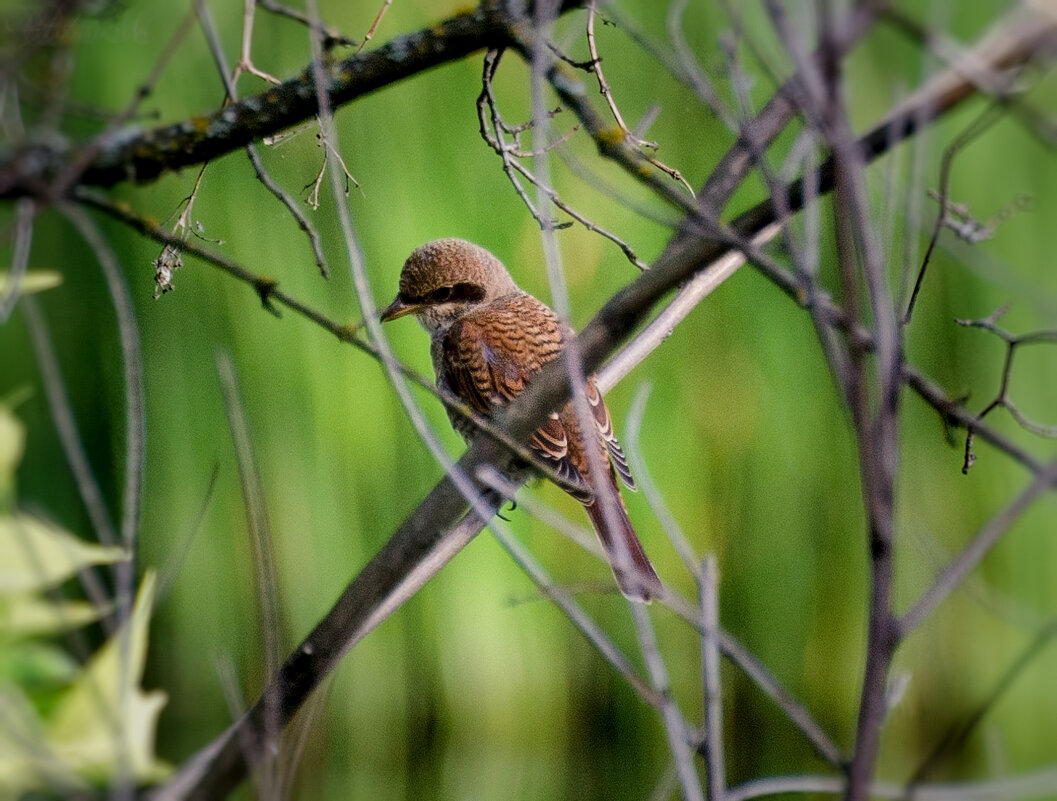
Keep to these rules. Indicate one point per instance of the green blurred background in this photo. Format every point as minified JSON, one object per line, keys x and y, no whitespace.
{"x":476,"y":688}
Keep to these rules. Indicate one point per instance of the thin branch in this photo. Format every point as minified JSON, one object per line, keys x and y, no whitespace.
{"x":25,"y":213}
{"x":374,"y":25}
{"x":674,"y":723}
{"x":245,"y":62}
{"x":1002,"y":398}
{"x":641,"y":145}
{"x":262,"y":544}
{"x":331,"y":36}
{"x":229,"y":80}
{"x":954,"y":740}
{"x":713,"y":697}
{"x":990,"y":115}
{"x":1024,"y":787}
{"x":135,"y":403}
{"x":493,"y":128}
{"x":632,"y":440}
{"x":985,"y":539}
{"x":954,"y":413}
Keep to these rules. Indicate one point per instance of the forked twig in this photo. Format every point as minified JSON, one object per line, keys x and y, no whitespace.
{"x":495,"y":130}
{"x":603,"y":87}
{"x":263,"y":176}
{"x":988,"y":117}
{"x":1002,"y":399}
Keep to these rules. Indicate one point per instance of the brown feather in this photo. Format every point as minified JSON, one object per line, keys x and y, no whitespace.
{"x":488,"y":341}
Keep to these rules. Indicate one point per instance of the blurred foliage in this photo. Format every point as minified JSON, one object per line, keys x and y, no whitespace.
{"x":476,"y":688}
{"x":60,"y":719}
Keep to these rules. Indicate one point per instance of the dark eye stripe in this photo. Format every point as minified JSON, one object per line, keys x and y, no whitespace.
{"x":467,"y":291}
{"x":463,"y":291}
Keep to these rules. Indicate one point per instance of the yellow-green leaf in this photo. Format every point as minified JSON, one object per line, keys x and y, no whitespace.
{"x":26,"y":762}
{"x":36,"y":554}
{"x":105,"y":723}
{"x":30,"y":615}
{"x":12,"y":446}
{"x":36,"y":666}
{"x":32,"y":281}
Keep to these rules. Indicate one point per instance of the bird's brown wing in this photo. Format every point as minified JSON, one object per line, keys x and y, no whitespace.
{"x":490,"y":355}
{"x":604,"y":424}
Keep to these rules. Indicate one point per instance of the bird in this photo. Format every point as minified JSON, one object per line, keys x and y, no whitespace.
{"x":488,"y":339}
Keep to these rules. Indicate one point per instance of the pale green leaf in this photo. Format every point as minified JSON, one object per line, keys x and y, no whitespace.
{"x":32,"y":281}
{"x":12,"y":446}
{"x":36,"y":666}
{"x":36,"y":554}
{"x":26,"y":761}
{"x":105,"y":723}
{"x":34,"y":616}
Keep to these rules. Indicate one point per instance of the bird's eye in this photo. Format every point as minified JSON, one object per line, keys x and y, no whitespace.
{"x":440,"y":295}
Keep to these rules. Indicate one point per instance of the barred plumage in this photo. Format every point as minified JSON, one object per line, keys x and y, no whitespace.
{"x":489,"y":338}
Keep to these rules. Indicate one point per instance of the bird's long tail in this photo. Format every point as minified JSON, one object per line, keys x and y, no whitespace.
{"x":632,"y":568}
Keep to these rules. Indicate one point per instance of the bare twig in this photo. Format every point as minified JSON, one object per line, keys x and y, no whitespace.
{"x":1002,"y":398}
{"x":713,"y":739}
{"x":170,"y":259}
{"x":959,"y":568}
{"x":251,"y":151}
{"x":245,"y":62}
{"x":331,"y":36}
{"x":135,"y":404}
{"x":990,"y":115}
{"x":374,"y":25}
{"x":261,"y":546}
{"x":954,"y":413}
{"x":603,"y":87}
{"x":494,"y":128}
{"x":875,"y":419}
{"x":25,"y":212}
{"x":1025,"y":787}
{"x":644,"y":480}
{"x":674,"y":723}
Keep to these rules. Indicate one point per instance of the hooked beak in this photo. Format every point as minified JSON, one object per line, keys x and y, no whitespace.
{"x":398,"y":308}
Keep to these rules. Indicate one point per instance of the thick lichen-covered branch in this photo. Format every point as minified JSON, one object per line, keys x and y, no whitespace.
{"x":138,"y":154}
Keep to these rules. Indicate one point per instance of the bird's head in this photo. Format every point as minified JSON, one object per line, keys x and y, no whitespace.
{"x":446,"y":278}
